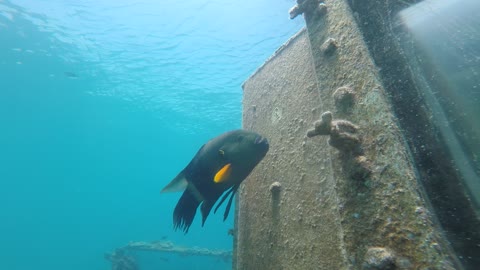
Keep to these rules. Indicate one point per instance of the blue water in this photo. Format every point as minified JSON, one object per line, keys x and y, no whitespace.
{"x":102,"y":103}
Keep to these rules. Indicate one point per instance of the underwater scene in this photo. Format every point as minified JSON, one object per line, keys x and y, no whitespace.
{"x":245,"y":135}
{"x":102,"y":104}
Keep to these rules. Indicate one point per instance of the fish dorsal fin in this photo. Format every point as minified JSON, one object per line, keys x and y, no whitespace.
{"x":223,"y":174}
{"x":178,"y":184}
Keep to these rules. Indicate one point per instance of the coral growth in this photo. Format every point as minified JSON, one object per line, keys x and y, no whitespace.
{"x":344,"y":136}
{"x":275,"y":187}
{"x":344,"y":98}
{"x":379,"y":258}
{"x":329,"y":46}
{"x":343,"y":133}
{"x":316,"y":7}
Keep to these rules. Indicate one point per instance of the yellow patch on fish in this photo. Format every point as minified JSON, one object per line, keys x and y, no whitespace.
{"x":223,"y":174}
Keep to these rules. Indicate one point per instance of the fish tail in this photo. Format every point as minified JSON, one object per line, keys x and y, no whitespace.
{"x":185,"y":211}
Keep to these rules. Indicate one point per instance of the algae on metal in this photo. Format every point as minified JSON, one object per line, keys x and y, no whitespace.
{"x":325,"y":215}
{"x":387,"y":208}
{"x":288,"y":214}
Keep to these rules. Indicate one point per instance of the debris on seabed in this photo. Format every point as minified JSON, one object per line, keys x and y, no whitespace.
{"x":122,"y":259}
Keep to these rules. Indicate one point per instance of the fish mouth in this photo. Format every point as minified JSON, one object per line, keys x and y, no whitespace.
{"x":261,"y":140}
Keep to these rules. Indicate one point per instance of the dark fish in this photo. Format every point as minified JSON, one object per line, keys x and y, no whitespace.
{"x":70,"y":75}
{"x":219,"y":166}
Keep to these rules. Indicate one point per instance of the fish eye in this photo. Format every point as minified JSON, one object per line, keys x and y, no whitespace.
{"x":239,"y":138}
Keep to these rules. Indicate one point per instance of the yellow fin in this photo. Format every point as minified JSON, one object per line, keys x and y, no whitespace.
{"x":223,"y":174}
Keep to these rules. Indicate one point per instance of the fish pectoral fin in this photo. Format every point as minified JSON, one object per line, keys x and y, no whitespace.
{"x":223,"y":173}
{"x":229,"y":204}
{"x":224,"y":197}
{"x":179,"y":183}
{"x":230,"y":192}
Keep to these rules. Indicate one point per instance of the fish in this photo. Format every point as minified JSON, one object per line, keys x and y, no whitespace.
{"x":219,"y":167}
{"x":70,"y":75}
